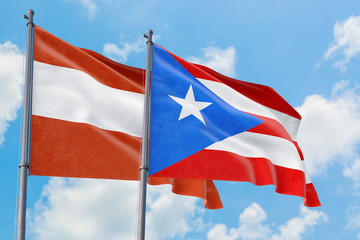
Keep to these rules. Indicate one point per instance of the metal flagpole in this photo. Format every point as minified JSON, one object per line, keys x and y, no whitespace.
{"x":146,"y":139}
{"x":26,"y":131}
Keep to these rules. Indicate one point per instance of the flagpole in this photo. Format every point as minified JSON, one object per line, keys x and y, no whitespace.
{"x":144,"y":168}
{"x":26,"y":131}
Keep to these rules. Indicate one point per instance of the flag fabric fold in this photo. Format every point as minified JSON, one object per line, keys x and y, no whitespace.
{"x":87,"y":118}
{"x":208,"y":126}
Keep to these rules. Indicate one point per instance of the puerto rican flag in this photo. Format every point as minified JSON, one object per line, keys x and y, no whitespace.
{"x":208,"y":126}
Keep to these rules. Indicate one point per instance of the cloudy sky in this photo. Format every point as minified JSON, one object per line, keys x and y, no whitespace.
{"x":309,"y":52}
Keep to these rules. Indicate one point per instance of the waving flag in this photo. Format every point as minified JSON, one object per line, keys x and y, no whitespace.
{"x":87,"y":118}
{"x":208,"y":126}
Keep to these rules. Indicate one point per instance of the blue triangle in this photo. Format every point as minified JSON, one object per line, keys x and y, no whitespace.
{"x":173,"y":140}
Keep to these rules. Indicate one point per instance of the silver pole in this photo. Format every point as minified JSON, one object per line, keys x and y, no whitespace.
{"x":146,"y":139}
{"x":26,"y":131}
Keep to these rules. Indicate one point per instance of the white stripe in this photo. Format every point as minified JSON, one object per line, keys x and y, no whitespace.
{"x":279,"y":151}
{"x":72,"y":95}
{"x":245,"y":104}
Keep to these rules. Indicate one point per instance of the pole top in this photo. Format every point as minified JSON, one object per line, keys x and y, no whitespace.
{"x":148,"y":36}
{"x":31,"y":12}
{"x":29,"y":17}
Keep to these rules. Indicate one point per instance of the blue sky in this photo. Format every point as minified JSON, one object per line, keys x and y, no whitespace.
{"x":307,"y":51}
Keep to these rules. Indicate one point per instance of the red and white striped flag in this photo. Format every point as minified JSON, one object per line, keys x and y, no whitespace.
{"x":87,"y":118}
{"x":208,"y":126}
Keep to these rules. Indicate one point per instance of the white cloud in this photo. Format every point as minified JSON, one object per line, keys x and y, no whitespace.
{"x":121,"y":54}
{"x":221,"y":60}
{"x":353,"y":218}
{"x":107,"y":209}
{"x":298,"y":226}
{"x":330,"y":130}
{"x":252,"y":226}
{"x":11,"y":82}
{"x":85,"y":209}
{"x":170,"y":215}
{"x":220,"y":232}
{"x":251,"y":223}
{"x":89,"y":5}
{"x":346,"y":41}
{"x":353,"y":172}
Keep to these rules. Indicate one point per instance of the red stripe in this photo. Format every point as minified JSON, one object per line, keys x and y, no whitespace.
{"x":270,"y":127}
{"x":234,"y":167}
{"x":274,"y":128}
{"x":53,"y":50}
{"x":261,"y":94}
{"x":67,"y":149}
{"x":311,"y":199}
{"x":299,"y":150}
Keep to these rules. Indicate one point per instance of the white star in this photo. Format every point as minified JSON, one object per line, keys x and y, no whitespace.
{"x":190,"y":106}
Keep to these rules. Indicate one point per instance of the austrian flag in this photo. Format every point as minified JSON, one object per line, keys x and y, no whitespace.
{"x":208,"y":126}
{"x":87,"y":118}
